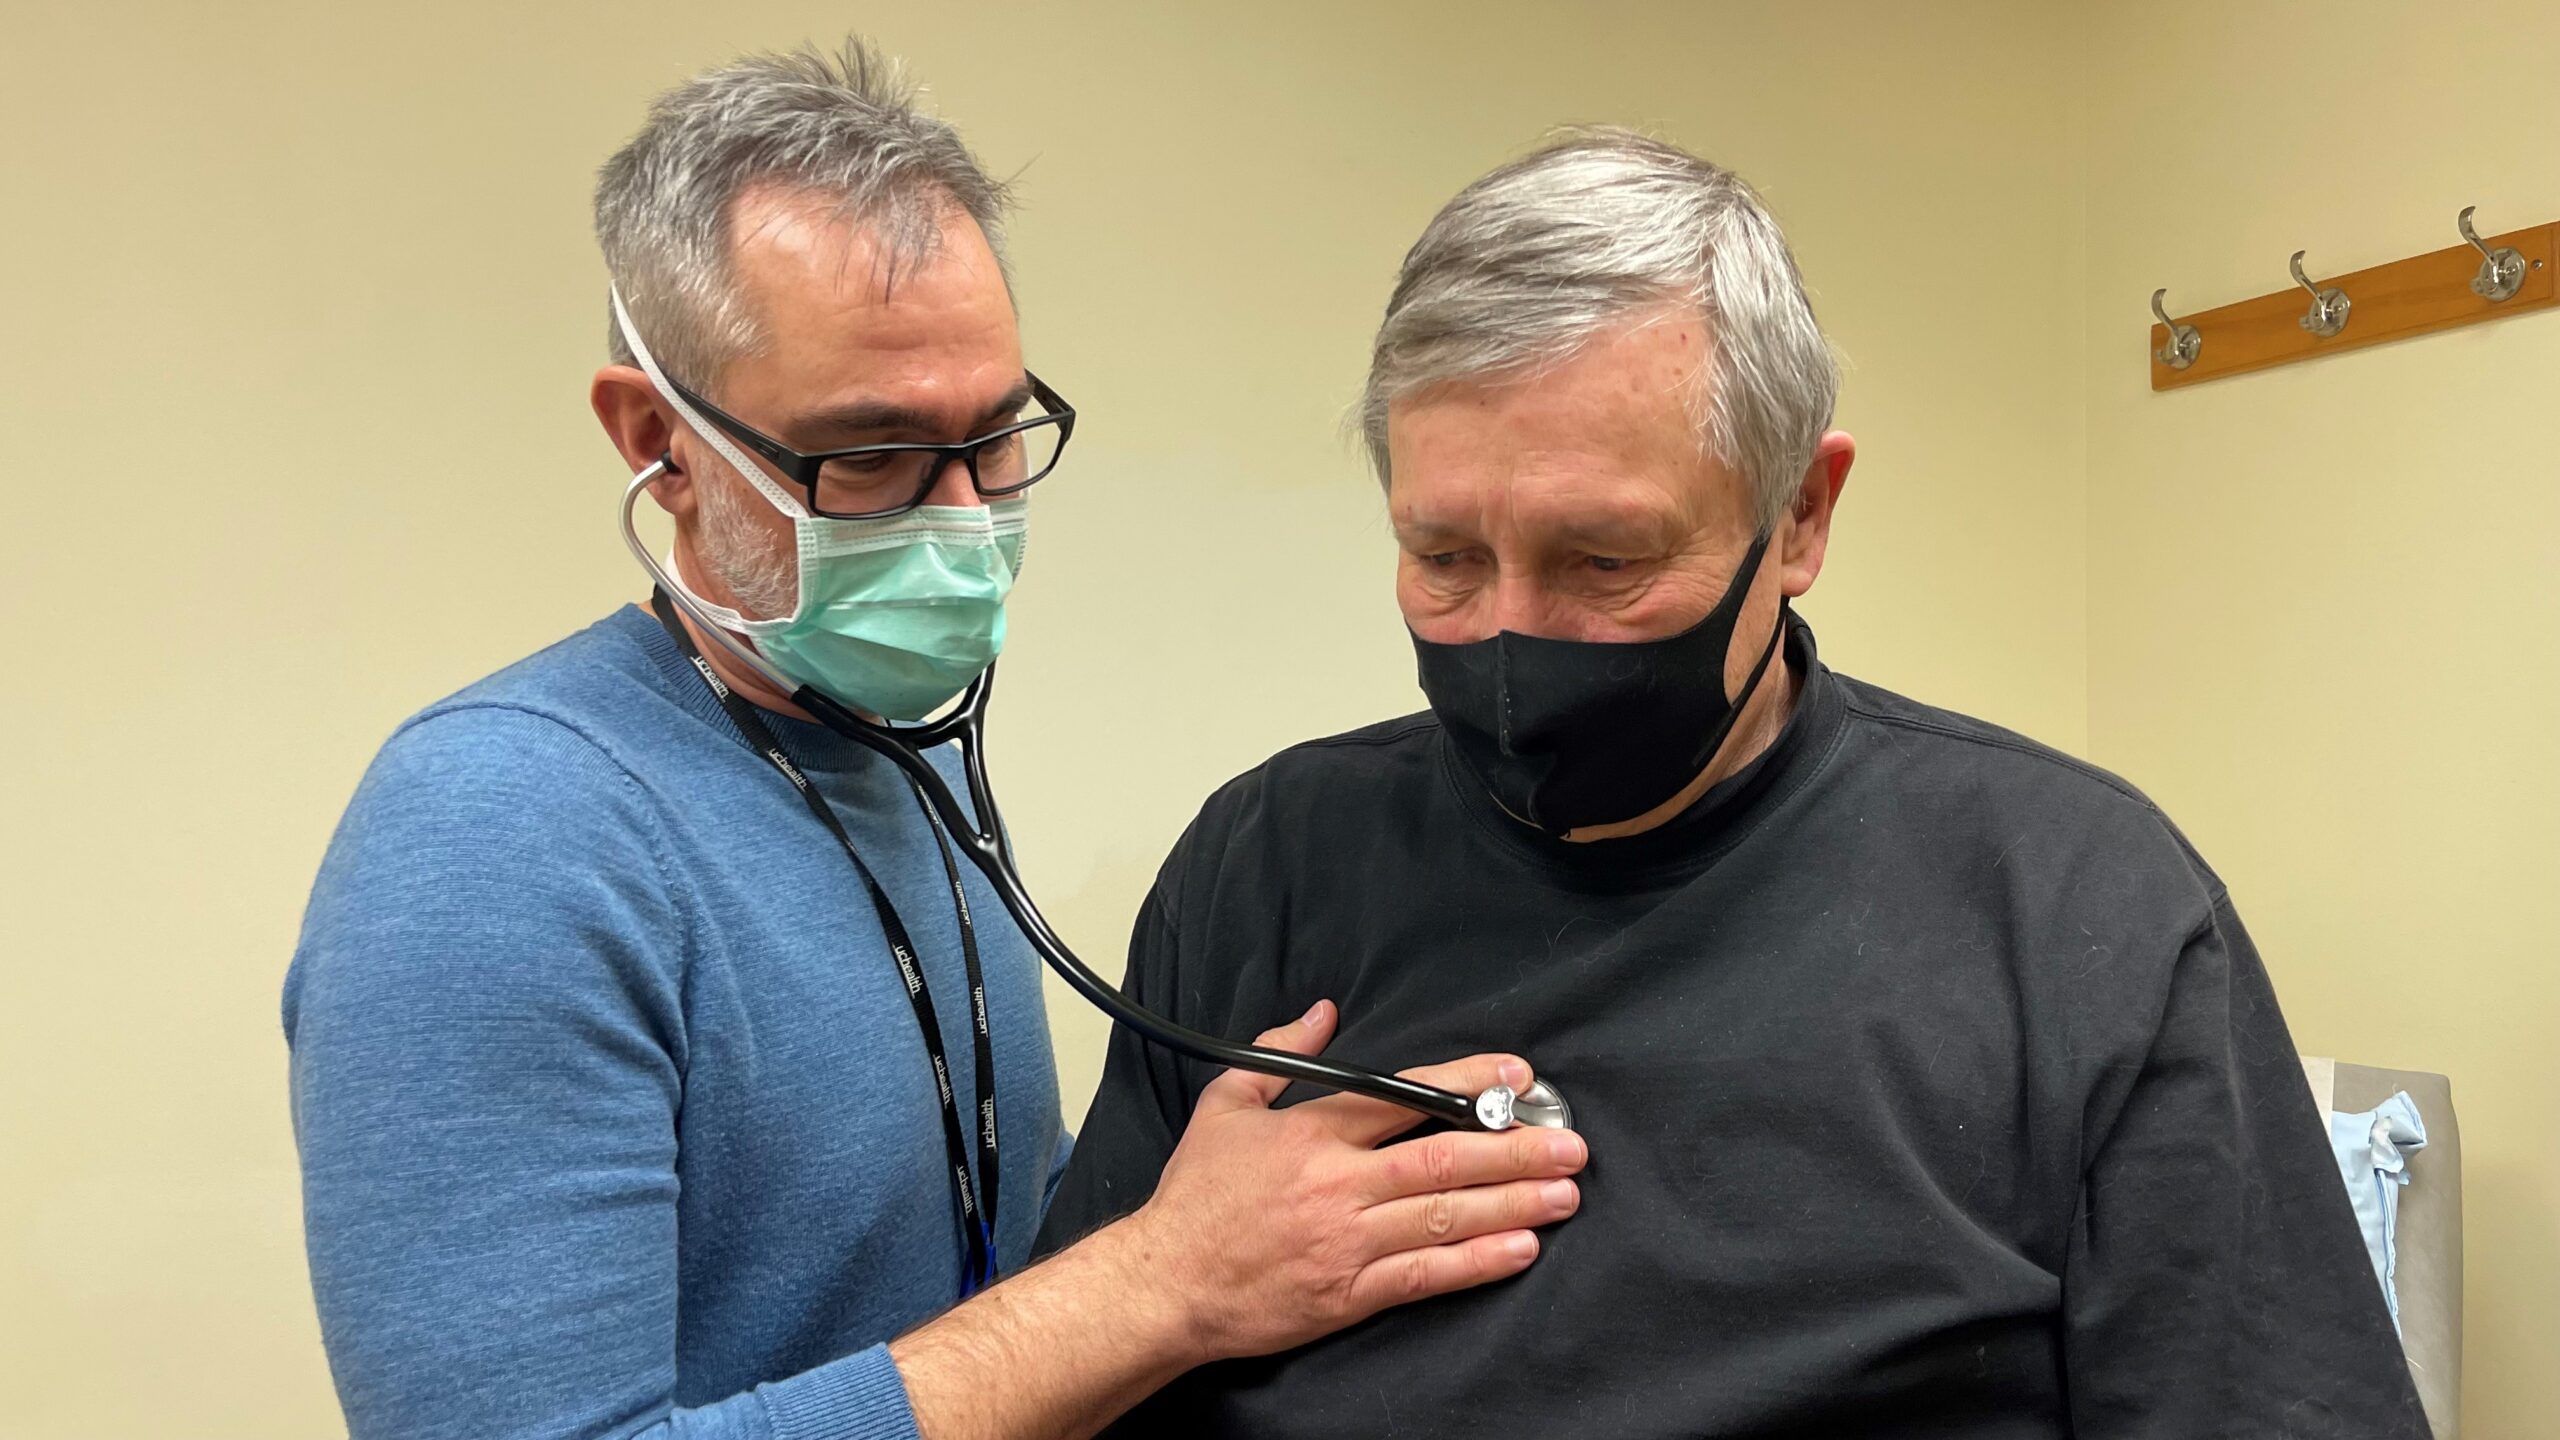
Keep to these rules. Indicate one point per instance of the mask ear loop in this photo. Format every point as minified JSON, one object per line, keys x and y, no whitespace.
{"x":682,"y":595}
{"x":1768,"y":652}
{"x":1777,"y":634}
{"x":781,"y":499}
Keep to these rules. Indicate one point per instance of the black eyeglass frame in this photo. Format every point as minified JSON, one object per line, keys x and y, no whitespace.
{"x":802,"y":469}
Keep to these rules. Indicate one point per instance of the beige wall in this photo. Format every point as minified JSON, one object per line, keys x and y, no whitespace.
{"x":2322,"y":626}
{"x":293,"y":400}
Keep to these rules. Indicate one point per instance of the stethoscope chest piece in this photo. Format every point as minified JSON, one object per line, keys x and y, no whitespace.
{"x":1541,"y":1104}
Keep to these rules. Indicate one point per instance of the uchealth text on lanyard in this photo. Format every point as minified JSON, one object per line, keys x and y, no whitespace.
{"x":974,"y":1196}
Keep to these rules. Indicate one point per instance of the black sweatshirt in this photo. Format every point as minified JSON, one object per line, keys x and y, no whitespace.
{"x":1932,"y":1088}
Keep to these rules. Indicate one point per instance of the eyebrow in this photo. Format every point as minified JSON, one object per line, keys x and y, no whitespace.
{"x":1604,"y":532}
{"x":869,"y":415}
{"x":1422,"y":530}
{"x":1614,"y":531}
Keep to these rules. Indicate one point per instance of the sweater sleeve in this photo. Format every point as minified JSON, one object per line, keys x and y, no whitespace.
{"x":488,"y":1059}
{"x":2216,"y":1283}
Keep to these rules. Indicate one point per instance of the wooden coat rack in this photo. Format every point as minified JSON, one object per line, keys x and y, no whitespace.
{"x":2460,"y":285}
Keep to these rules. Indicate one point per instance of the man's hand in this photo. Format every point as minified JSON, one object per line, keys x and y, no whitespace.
{"x":1273,"y":1227}
{"x":1270,"y":1228}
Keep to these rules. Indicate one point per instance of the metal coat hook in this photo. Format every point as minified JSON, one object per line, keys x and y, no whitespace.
{"x":2184,"y":341}
{"x":2501,"y":270}
{"x":2329,"y":307}
{"x":2182,"y":344}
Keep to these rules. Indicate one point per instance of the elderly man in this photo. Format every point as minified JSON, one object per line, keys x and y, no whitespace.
{"x":620,"y":1076}
{"x":1931,"y":1082}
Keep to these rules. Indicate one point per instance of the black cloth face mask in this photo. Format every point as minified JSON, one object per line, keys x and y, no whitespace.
{"x":1571,"y":733}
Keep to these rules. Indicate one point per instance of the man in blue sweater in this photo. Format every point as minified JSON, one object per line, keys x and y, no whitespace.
{"x":619,"y":1071}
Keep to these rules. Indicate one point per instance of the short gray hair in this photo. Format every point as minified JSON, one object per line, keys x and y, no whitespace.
{"x":843,"y":126}
{"x":1596,"y":227}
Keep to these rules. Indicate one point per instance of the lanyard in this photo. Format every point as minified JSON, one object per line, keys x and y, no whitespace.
{"x":977,"y":1217}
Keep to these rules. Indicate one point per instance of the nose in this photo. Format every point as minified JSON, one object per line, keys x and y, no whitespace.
{"x":1518,"y":603}
{"x":952,"y":485}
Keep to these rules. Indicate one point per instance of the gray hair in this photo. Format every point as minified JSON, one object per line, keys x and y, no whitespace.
{"x":1597,"y":227}
{"x":843,"y":126}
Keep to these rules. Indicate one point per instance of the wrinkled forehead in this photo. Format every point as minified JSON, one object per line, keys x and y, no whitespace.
{"x":800,"y":259}
{"x":1609,"y":436}
{"x":841,"y":302}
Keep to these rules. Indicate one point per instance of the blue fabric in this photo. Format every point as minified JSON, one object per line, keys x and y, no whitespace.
{"x":613,"y":1114}
{"x":2373,"y":1149}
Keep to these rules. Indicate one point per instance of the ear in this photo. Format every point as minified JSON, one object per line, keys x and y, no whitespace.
{"x":636,"y":418}
{"x":1804,"y":533}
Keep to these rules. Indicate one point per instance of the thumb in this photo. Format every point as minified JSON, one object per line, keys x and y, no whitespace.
{"x":1243,"y":1089}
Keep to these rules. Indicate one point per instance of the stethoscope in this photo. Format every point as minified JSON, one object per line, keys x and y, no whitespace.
{"x":983,"y":840}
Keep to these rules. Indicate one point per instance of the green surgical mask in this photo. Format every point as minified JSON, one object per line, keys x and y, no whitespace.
{"x":895,"y":616}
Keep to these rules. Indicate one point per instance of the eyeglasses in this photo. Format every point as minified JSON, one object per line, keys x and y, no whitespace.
{"x":873,"y":482}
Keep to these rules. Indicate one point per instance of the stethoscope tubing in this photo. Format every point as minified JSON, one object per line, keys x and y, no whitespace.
{"x":982,"y":838}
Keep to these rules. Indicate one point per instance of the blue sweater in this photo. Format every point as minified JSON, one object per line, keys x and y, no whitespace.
{"x":613,"y":1113}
